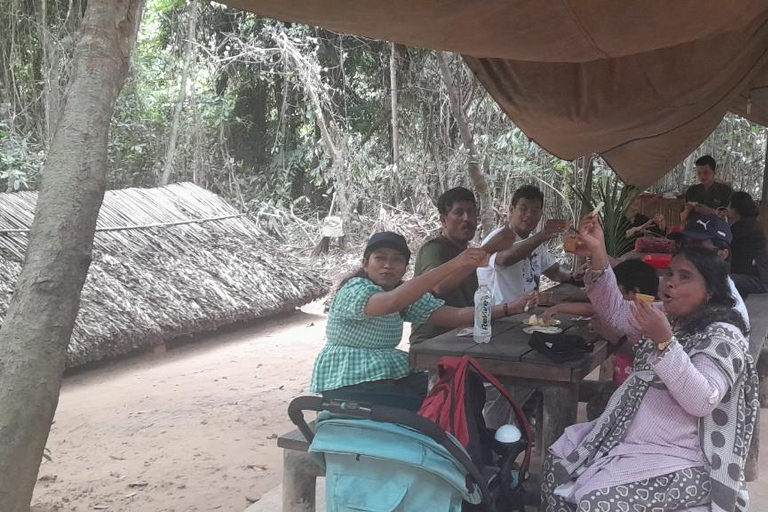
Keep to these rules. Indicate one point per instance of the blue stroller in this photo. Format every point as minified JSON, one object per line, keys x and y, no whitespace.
{"x":382,"y":459}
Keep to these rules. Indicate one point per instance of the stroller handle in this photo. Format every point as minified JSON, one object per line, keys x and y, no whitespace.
{"x":384,"y":414}
{"x":296,"y":413}
{"x":379,"y":413}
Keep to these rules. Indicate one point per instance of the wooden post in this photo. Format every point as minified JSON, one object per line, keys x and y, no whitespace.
{"x":762,"y":372}
{"x":764,"y":195}
{"x":560,"y":406}
{"x":752,"y":468}
{"x":299,"y":477}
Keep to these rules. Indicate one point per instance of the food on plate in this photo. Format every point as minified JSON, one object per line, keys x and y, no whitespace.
{"x":538,"y":321}
{"x":545,"y":329}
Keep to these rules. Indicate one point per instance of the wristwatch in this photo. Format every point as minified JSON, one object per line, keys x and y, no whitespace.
{"x":661,"y":347}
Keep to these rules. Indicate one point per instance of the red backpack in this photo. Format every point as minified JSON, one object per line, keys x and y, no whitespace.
{"x":456,"y":404}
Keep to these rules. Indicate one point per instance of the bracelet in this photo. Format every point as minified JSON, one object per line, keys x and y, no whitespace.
{"x":592,"y":275}
{"x":664,"y":345}
{"x":506,"y":309}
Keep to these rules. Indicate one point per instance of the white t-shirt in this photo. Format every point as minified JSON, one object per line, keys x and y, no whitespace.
{"x":740,"y":307}
{"x":509,"y":283}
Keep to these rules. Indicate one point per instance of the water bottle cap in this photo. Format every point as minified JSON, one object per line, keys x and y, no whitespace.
{"x":484,"y":275}
{"x":508,"y":434}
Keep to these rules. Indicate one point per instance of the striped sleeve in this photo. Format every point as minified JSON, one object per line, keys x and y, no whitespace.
{"x":422,"y":309}
{"x":351,"y":300}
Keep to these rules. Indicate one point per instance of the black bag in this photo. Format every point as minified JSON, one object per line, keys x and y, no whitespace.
{"x":560,"y":347}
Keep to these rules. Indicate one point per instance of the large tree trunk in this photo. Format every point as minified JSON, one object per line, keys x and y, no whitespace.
{"x":39,"y":322}
{"x":174,"y":135}
{"x":475,"y":172}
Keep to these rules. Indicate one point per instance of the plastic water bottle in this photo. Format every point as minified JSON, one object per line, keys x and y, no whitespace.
{"x":483,"y":305}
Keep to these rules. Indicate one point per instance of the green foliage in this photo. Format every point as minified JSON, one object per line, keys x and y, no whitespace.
{"x":617,"y":199}
{"x":248,"y":129}
{"x":20,"y":160}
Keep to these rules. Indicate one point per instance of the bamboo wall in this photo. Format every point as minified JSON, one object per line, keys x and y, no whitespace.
{"x":671,"y":208}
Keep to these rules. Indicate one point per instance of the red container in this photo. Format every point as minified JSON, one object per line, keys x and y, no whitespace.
{"x":658,"y":261}
{"x":654,"y":245}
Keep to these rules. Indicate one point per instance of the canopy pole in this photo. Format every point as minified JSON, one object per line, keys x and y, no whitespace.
{"x":764,"y":195}
{"x":586,"y":187}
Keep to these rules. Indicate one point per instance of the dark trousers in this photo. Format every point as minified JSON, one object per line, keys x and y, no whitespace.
{"x":748,"y":284}
{"x":406,"y":393}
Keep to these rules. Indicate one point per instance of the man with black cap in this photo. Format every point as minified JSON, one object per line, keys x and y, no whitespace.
{"x":712,"y":232}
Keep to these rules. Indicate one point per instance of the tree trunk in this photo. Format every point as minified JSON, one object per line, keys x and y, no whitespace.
{"x":589,"y":167}
{"x":764,"y":194}
{"x":475,"y":172}
{"x":41,"y":315}
{"x":395,"y":143}
{"x":333,"y":138}
{"x":171,"y":149}
{"x":45,"y":72}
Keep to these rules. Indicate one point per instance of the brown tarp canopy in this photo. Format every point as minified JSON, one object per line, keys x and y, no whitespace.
{"x":640,"y":82}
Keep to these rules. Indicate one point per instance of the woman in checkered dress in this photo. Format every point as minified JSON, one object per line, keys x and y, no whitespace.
{"x":365,"y":325}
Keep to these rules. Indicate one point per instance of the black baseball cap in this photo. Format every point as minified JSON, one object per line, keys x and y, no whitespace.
{"x":707,"y":227}
{"x":389,"y":240}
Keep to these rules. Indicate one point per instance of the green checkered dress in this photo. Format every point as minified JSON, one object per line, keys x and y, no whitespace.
{"x":361,"y":348}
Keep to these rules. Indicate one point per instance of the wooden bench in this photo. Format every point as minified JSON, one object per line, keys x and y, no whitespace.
{"x":300,"y":472}
{"x":757,"y":307}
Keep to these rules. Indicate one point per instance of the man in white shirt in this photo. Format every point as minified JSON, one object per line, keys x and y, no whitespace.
{"x":518,"y":269}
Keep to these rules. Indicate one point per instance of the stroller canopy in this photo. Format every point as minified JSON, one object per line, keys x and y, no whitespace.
{"x":387,"y":442}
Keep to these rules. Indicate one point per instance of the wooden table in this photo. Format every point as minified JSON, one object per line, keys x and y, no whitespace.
{"x":512,"y":361}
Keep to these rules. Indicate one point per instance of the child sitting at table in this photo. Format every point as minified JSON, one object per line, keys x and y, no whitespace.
{"x":633,"y":277}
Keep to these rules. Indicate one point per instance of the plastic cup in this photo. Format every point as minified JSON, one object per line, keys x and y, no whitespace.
{"x":570,"y":243}
{"x":546,"y":298}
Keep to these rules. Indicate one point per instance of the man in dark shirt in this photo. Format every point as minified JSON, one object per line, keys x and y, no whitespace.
{"x":709,"y":195}
{"x":749,"y":254}
{"x":458,"y":220}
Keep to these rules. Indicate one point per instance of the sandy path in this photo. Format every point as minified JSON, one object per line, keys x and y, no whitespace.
{"x":191,"y":429}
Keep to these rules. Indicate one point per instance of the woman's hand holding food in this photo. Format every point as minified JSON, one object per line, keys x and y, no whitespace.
{"x":651,"y":322}
{"x":551,"y":311}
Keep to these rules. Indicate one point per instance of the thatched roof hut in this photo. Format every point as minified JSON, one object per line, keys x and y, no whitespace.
{"x":167,"y":261}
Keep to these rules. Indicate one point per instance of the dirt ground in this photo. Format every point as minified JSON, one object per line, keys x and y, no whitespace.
{"x":192,"y":429}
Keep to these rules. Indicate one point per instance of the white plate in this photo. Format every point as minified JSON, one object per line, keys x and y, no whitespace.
{"x":543,"y":328}
{"x":554,"y":321}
